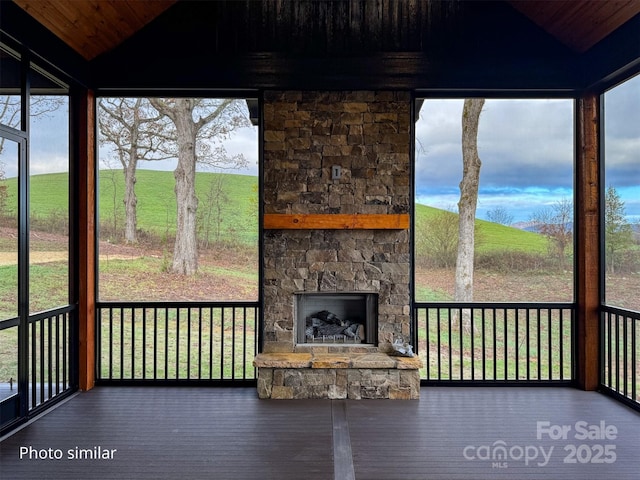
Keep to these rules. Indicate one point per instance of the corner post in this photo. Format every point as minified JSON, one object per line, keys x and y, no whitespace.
{"x":87,"y":238}
{"x":587,"y":242}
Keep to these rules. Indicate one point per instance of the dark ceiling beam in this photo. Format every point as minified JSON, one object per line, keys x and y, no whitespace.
{"x":225,"y":45}
{"x":382,"y":71}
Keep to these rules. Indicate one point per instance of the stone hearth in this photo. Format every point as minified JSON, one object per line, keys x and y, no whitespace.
{"x":368,"y":136}
{"x":354,"y":376}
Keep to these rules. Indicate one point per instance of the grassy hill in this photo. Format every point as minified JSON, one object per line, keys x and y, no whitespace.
{"x":156,"y":200}
{"x":157,"y":203}
{"x":157,"y":208}
{"x":494,"y":237}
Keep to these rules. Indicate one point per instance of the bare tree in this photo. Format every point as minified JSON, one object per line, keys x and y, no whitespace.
{"x":199,"y":127}
{"x":500,"y":215}
{"x":555,"y":222}
{"x":468,"y":199}
{"x":618,"y":233}
{"x":211,"y":216}
{"x":437,"y":238}
{"x":111,"y":173}
{"x":137,"y":132}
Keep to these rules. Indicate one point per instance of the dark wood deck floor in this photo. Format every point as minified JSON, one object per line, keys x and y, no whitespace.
{"x":214,"y":433}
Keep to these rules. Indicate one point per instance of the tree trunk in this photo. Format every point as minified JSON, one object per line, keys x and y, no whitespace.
{"x":468,"y":201}
{"x":185,"y":252}
{"x":130,"y":201}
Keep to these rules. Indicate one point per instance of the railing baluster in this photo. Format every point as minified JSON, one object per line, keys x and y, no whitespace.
{"x":49,"y":359}
{"x":610,"y":351}
{"x":34,"y":359}
{"x":166,"y":343}
{"x":625,"y":356}
{"x":461,"y":335}
{"x":450,"y":345}
{"x":110,"y":344}
{"x":57,"y":354}
{"x":133,"y":343}
{"x":439,"y":346}
{"x":199,"y":342}
{"x":221,"y":342}
{"x":189,"y":344}
{"x":472,"y":351}
{"x":495,"y":346}
{"x":428,"y":341}
{"x":121,"y":343}
{"x":617,"y":352}
{"x":144,"y":343}
{"x":67,"y":363}
{"x":505,"y":339}
{"x":539,"y":338}
{"x":561,"y":341}
{"x":634,"y":369}
{"x":528,"y":349}
{"x":484,"y":347}
{"x":42,"y":382}
{"x":244,"y":343}
{"x":155,"y":344}
{"x":233,"y":343}
{"x":177,"y":343}
{"x":550,"y":343}
{"x":211,"y":335}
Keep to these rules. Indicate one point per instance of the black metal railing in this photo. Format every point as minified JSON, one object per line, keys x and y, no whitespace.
{"x":52,"y":357}
{"x":495,"y":342}
{"x":620,"y":353}
{"x":174,"y":342}
{"x":38,"y":364}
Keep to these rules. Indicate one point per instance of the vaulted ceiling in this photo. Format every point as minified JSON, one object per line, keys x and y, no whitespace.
{"x":93,"y":27}
{"x":562,"y":46}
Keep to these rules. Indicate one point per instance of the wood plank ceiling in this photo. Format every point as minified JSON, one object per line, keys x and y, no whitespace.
{"x":92,"y":27}
{"x":578,"y":24}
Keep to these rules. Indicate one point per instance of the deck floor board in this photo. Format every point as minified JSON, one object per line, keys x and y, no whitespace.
{"x":193,"y":433}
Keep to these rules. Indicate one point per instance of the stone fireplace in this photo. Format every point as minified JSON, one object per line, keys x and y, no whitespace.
{"x":336,"y":202}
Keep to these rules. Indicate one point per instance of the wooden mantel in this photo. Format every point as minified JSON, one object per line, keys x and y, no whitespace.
{"x":337,"y":221}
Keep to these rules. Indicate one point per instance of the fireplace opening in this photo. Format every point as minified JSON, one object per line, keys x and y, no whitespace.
{"x":344,"y":318}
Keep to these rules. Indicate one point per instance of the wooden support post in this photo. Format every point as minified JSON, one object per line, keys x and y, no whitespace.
{"x":87,"y":243}
{"x":587,"y":241}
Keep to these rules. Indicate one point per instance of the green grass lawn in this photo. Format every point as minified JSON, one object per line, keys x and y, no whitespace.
{"x":156,"y":200}
{"x":494,"y":237}
{"x":157,"y":207}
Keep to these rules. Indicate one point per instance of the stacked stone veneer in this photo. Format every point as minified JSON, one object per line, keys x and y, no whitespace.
{"x":354,"y":376}
{"x":367,"y":134}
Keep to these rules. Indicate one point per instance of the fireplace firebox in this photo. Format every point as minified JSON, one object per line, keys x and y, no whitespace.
{"x":336,"y":318}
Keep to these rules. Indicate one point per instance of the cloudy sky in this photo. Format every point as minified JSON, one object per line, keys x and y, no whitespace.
{"x":526,"y":149}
